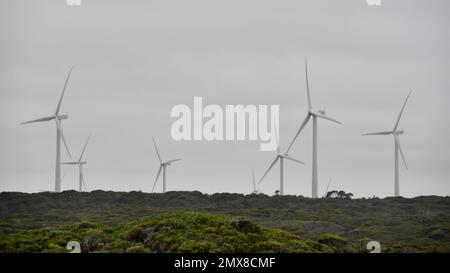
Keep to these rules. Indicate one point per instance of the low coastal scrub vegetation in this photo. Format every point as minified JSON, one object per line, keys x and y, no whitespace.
{"x":194,"y":222}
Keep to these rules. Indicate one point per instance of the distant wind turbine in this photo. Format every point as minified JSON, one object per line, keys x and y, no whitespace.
{"x":280,"y":157}
{"x":162,"y":167}
{"x":395,"y":133}
{"x":59,"y":135}
{"x":80,"y":164}
{"x":314,"y":114}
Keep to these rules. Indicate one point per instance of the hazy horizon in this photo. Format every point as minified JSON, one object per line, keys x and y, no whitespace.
{"x":134,"y":61}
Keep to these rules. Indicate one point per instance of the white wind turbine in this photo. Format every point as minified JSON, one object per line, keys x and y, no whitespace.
{"x":59,"y":135}
{"x":395,"y":133}
{"x":280,"y":157}
{"x":162,"y":167}
{"x":80,"y":164}
{"x":314,"y":114}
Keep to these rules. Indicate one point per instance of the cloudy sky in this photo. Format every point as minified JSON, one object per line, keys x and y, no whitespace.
{"x":135,"y":60}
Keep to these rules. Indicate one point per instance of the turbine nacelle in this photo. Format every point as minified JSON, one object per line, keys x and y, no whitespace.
{"x":317,"y":113}
{"x":396,"y":132}
{"x":61,"y":117}
{"x":74,"y":163}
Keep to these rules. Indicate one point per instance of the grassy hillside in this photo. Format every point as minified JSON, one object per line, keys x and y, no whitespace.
{"x":399,"y":224}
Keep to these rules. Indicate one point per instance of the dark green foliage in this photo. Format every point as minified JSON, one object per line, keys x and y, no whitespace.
{"x":339,"y":194}
{"x":175,"y":232}
{"x":335,"y":242}
{"x":246,"y":226}
{"x":420,"y":224}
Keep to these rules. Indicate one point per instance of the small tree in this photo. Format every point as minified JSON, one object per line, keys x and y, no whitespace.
{"x":339,"y":194}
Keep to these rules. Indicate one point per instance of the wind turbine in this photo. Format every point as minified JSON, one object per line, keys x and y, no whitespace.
{"x":59,"y":134}
{"x":280,"y":157}
{"x":314,"y":114}
{"x":395,"y":133}
{"x":162,"y":167}
{"x":80,"y":164}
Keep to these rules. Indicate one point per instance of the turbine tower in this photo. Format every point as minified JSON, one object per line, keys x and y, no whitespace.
{"x":315,"y":114}
{"x":59,"y":134}
{"x":280,"y":157}
{"x":397,"y":148}
{"x":162,"y":167}
{"x":80,"y":164}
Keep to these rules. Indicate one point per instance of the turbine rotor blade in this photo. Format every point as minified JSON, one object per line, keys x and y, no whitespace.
{"x":82,"y":178}
{"x":173,"y":160}
{"x":293,"y":159}
{"x":328,"y":186}
{"x":69,"y":163}
{"x":58,"y":124}
{"x":400,"y":149}
{"x":156,"y":148}
{"x":84,"y":148}
{"x":326,"y":117}
{"x":401,"y":112}
{"x":156,"y":180}
{"x":268,"y":170}
{"x":276,"y":137}
{"x":253,"y":176}
{"x":307,"y":84}
{"x":64,"y":176}
{"x":377,"y":133}
{"x":298,"y":132}
{"x":38,"y":120}
{"x":64,"y":90}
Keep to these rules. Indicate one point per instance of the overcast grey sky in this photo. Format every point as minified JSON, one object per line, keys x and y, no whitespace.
{"x":135,"y":60}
